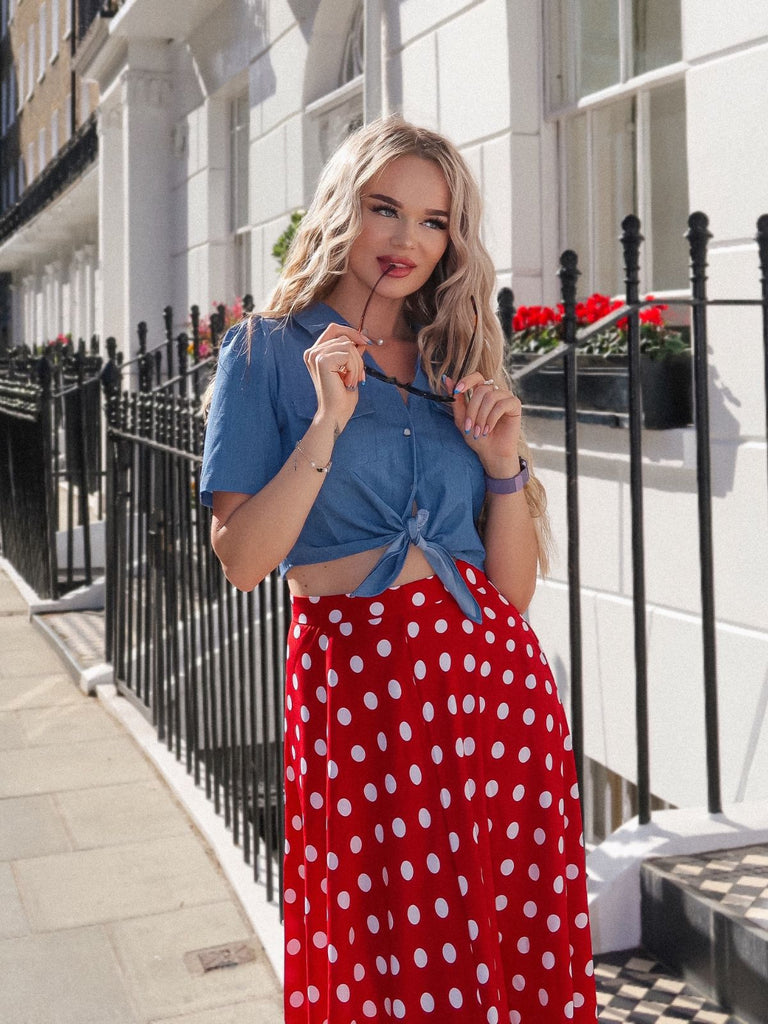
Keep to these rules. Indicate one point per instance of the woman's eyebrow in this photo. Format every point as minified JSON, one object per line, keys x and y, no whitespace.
{"x":399,"y":205}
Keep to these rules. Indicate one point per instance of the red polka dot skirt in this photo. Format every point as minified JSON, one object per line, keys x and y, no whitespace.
{"x":434,"y":864}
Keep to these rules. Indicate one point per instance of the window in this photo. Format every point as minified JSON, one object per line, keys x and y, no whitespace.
{"x":42,"y":159}
{"x":67,"y":19}
{"x":43,"y":57}
{"x":55,"y":29}
{"x":12,"y":193}
{"x":11,"y":95}
{"x":21,"y":77}
{"x":30,"y":162}
{"x":54,"y":133}
{"x":4,"y":106}
{"x":30,"y":60}
{"x":615,"y":89}
{"x":239,"y":223}
{"x":22,"y":176}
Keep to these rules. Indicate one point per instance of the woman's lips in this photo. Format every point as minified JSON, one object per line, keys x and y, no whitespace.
{"x":395,"y":267}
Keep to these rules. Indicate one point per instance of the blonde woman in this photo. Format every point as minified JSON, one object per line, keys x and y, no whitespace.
{"x":362,"y":437}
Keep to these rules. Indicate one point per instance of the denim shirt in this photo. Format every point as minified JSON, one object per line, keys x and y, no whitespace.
{"x":402,"y":473}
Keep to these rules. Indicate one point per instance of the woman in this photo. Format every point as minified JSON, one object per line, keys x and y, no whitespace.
{"x":434,"y":865}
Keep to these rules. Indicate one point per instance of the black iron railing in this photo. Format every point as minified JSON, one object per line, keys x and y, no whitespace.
{"x":698,"y":236}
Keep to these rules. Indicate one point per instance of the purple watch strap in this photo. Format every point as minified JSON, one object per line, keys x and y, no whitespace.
{"x":509,"y":484}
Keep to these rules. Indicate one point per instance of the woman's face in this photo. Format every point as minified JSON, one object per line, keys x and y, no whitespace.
{"x":405,"y":211}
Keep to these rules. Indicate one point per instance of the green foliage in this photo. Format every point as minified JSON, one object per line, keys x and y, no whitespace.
{"x":283,"y":243}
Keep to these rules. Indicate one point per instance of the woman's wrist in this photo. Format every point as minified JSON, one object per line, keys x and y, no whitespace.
{"x":511,"y":482}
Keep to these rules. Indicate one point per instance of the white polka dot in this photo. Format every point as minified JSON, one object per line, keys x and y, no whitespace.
{"x":418,"y":598}
{"x":356,"y":663}
{"x":449,"y":953}
{"x":344,"y":807}
{"x":524,"y":945}
{"x":548,"y":961}
{"x":310,"y":852}
{"x":415,"y":774}
{"x":293,"y":947}
{"x":543,"y":996}
{"x":518,"y":983}
{"x":568,"y":1010}
{"x":344,"y":716}
{"x":497,"y":750}
{"x":428,"y":711}
{"x":553,"y":922}
{"x":530,"y":681}
{"x":441,"y":907}
{"x":453,"y":840}
{"x":320,"y":940}
{"x":405,"y":731}
{"x":524,"y":755}
{"x":490,"y":637}
{"x":376,"y":608}
{"x":491,"y":788}
{"x":441,"y":626}
{"x":518,"y":792}
{"x":345,"y":629}
{"x":485,"y":669}
{"x":514,"y":1017}
{"x":390,"y":783}
{"x":395,"y":689}
{"x":581,"y":921}
{"x":469,"y":746}
{"x":473,"y":930}
{"x":540,"y":836}
{"x":335,"y":616}
{"x":371,"y":701}
{"x":398,"y":1009}
{"x":468,"y":626}
{"x":445,"y":661}
{"x":406,"y":870}
{"x":530,"y":909}
{"x":468,"y":704}
{"x":483,"y":974}
{"x":370,"y":792}
{"x":364,"y":882}
{"x":437,"y":755}
{"x":398,"y":827}
{"x":332,"y":860}
{"x":513,"y":831}
{"x":533,"y":872}
{"x":469,"y":663}
{"x":502,"y":711}
{"x":414,"y":914}
{"x":384,"y":648}
{"x":433,"y":863}
{"x":342,"y":993}
{"x":381,"y":965}
{"x":420,"y":957}
{"x":507,"y":867}
{"x":501,"y":903}
{"x":296,"y":1000}
{"x":316,"y":800}
{"x":445,"y":798}
{"x":470,"y":575}
{"x":373,"y":924}
{"x":453,"y":706}
{"x":545,"y":799}
{"x":369,"y":1008}
{"x":381,"y":740}
{"x":427,"y":1002}
{"x":343,"y":899}
{"x":413,"y":629}
{"x":394,"y":965}
{"x":306,"y":661}
{"x":469,"y":788}
{"x":358,"y":753}
{"x":572,"y":872}
{"x":313,"y":993}
{"x":508,"y":676}
{"x":455,"y":998}
{"x":420,"y":670}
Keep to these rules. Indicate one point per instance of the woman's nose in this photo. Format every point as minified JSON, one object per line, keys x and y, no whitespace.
{"x":404,"y":233}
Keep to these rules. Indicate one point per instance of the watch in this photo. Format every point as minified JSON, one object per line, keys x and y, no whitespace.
{"x":508,"y":484}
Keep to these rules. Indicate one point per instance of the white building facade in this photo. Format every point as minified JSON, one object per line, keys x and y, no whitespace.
{"x":215,"y":118}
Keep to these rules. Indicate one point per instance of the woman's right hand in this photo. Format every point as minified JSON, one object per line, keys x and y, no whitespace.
{"x":335,"y":363}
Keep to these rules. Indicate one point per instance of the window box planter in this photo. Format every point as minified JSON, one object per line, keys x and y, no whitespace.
{"x":603,"y":386}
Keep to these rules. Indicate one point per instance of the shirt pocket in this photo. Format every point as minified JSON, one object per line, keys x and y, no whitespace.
{"x":358,"y":442}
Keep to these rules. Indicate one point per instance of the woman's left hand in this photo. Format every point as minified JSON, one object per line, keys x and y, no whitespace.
{"x":489,"y":418}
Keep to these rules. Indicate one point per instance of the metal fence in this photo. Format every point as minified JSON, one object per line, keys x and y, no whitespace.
{"x":51,"y":471}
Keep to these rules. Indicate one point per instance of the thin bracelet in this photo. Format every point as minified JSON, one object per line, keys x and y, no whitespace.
{"x":313,"y":464}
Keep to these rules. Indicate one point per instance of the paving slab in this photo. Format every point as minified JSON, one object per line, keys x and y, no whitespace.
{"x":63,"y":766}
{"x":263,"y":1011}
{"x":67,"y":890}
{"x":13,"y":920}
{"x":31,"y":827}
{"x":67,"y":723}
{"x":11,"y":731}
{"x":37,"y":691}
{"x":164,"y":978}
{"x":11,"y":601}
{"x":111,"y":815}
{"x":55,"y":979}
{"x":31,"y":659}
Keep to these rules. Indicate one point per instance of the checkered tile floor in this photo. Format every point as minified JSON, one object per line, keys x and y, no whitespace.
{"x":633,"y":987}
{"x":737,"y":879}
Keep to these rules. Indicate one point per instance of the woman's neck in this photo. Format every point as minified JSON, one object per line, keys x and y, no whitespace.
{"x":384,"y":318}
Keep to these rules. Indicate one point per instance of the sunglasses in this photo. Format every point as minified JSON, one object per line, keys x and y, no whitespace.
{"x":410,"y":388}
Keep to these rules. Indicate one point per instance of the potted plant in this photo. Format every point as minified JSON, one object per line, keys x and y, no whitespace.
{"x":602,"y":364}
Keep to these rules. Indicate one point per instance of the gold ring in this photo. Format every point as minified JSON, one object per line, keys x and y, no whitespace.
{"x":342,"y":369}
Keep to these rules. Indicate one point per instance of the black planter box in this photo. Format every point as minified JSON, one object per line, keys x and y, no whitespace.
{"x":603,"y":386}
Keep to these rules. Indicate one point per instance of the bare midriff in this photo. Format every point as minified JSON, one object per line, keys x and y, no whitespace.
{"x":343,"y":575}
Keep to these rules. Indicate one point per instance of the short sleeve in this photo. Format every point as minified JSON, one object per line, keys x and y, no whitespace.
{"x":242,"y":450}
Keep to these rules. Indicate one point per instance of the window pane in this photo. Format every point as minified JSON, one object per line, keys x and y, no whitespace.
{"x":656,"y":34}
{"x":557,"y":53}
{"x":238,"y":182}
{"x":576,"y":198}
{"x":598,"y":45}
{"x":669,"y":187}
{"x":614,"y":192}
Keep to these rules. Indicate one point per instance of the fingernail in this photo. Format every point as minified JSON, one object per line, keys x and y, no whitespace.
{"x":486,"y":430}
{"x":363,"y":382}
{"x":477,"y":433}
{"x":467,"y":426}
{"x":459,"y":388}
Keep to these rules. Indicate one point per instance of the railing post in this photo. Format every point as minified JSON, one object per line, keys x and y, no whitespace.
{"x":569,"y":274}
{"x":698,"y":236}
{"x":631,"y":240}
{"x":762,"y":245}
{"x":505,"y":311}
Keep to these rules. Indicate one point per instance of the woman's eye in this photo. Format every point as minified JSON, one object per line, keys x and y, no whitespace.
{"x":385,"y":211}
{"x":441,"y":225}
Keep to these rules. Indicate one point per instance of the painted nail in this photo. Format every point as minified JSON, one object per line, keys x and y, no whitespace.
{"x":467,"y":425}
{"x":477,"y":432}
{"x":486,"y":430}
{"x":459,"y":388}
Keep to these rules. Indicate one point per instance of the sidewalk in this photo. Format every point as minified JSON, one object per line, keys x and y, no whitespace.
{"x":113,"y":909}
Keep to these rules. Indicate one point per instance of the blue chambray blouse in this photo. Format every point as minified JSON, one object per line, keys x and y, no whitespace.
{"x":401,"y":474}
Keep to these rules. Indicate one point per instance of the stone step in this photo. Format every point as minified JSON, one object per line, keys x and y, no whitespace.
{"x":634,"y":987}
{"x":706,"y":916}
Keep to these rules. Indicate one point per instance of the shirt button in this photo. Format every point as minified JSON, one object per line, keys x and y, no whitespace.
{"x":407,"y":432}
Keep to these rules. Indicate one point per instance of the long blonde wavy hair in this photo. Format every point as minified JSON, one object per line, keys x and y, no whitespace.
{"x":463,"y":281}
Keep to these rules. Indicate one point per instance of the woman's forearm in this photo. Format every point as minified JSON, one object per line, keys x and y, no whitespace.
{"x":252,"y":534}
{"x":511,"y":545}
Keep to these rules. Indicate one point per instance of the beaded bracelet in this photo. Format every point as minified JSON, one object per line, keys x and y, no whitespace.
{"x":313,"y":464}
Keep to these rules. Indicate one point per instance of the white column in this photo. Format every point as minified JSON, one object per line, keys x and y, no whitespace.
{"x":146,"y":95}
{"x":89,"y":260}
{"x":111,"y":305}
